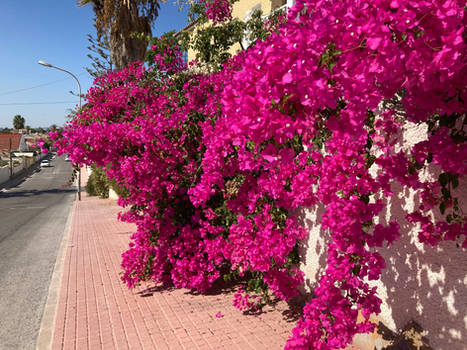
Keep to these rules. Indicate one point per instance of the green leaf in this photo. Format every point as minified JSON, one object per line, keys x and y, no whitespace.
{"x":251,"y":284}
{"x":446,"y":193}
{"x":365,"y":198}
{"x":356,"y":269}
{"x":458,"y":137}
{"x":430,"y":158}
{"x":443,"y":179}
{"x":442,"y":207}
{"x":455,"y":181}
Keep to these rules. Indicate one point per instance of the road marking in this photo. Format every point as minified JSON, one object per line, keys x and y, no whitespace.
{"x":17,"y":208}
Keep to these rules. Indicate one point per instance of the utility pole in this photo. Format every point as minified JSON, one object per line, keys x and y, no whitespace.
{"x":11,"y":162}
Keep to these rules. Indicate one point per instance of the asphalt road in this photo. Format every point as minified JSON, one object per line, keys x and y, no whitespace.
{"x":33,"y":216}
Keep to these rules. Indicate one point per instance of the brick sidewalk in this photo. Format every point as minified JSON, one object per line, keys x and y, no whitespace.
{"x":96,"y":311}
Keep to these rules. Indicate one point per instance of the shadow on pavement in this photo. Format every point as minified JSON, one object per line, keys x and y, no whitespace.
{"x":149,"y":292}
{"x":293,"y":312}
{"x":35,"y":192}
{"x":220,"y":287}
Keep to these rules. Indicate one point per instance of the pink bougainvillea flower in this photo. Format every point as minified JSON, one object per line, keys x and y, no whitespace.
{"x":214,"y":166}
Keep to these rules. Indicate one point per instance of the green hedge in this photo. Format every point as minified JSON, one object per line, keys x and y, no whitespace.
{"x":98,"y":183}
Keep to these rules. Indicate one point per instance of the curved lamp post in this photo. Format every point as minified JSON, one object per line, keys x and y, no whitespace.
{"x":79,"y":94}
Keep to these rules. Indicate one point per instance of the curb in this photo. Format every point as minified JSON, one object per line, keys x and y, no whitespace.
{"x":44,"y":339}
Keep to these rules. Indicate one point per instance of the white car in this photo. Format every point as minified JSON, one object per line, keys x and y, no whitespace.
{"x":45,"y":163}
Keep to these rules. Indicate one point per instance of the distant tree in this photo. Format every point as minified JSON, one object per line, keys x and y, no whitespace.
{"x":18,"y":122}
{"x":101,"y":60}
{"x":120,"y":20}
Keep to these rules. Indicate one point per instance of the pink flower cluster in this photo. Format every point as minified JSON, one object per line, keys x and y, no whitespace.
{"x":218,"y":11}
{"x":215,"y":165}
{"x":166,"y":56}
{"x":43,"y":146}
{"x":244,"y":301}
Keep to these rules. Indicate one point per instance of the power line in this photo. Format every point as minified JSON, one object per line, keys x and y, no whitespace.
{"x":35,"y":103}
{"x":36,"y":86}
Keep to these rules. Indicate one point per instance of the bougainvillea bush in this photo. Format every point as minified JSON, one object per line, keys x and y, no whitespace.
{"x":214,"y":165}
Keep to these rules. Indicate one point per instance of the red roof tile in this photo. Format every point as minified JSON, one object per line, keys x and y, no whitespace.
{"x":5,"y":141}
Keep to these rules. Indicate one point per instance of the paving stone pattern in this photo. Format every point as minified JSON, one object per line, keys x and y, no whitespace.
{"x":96,"y":310}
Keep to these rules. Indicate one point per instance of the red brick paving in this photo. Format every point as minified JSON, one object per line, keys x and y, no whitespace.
{"x":96,"y":310}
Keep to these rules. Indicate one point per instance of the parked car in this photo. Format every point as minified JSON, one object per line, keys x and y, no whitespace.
{"x":45,"y":163}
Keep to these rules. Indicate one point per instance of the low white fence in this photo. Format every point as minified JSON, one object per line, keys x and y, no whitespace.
{"x":5,"y":171}
{"x":18,"y":168}
{"x":4,"y":174}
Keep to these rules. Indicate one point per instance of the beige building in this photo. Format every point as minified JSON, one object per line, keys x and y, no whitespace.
{"x":242,"y":10}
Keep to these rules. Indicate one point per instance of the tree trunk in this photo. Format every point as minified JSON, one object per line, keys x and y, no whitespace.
{"x":125,"y":49}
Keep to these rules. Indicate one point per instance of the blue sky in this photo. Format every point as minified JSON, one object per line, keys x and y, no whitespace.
{"x":54,"y":31}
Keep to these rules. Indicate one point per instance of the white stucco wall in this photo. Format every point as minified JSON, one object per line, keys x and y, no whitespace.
{"x":113,"y":194}
{"x":4,"y":174}
{"x":5,"y":171}
{"x":421,"y":283}
{"x":18,"y":168}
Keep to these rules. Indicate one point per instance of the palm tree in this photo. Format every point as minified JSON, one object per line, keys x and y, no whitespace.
{"x":18,"y":122}
{"x":121,"y":19}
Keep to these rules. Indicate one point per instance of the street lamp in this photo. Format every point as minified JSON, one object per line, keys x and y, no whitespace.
{"x":79,"y":94}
